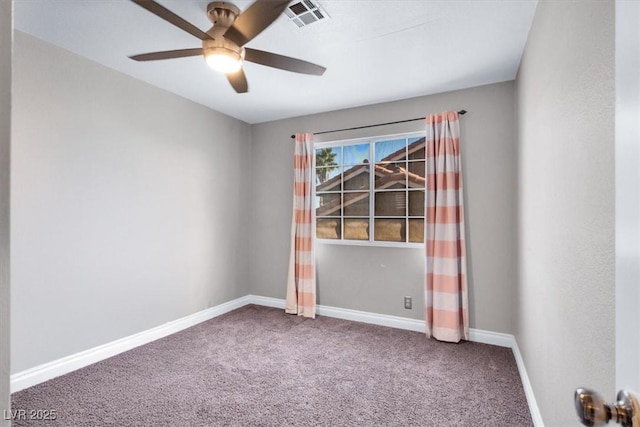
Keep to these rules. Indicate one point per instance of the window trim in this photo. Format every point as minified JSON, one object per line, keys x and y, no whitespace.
{"x":372,"y":191}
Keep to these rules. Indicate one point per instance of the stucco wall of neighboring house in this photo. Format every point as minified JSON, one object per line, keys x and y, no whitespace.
{"x":6,"y":36}
{"x":565,"y":103}
{"x":375,"y":279}
{"x":129,"y":205}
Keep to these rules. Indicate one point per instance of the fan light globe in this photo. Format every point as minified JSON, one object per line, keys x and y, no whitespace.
{"x":223,"y":60}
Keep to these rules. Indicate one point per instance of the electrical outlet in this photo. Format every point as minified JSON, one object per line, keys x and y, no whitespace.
{"x":407,"y":303}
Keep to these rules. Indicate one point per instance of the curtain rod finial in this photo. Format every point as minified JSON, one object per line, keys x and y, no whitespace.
{"x":462,"y":112}
{"x":293,"y":137}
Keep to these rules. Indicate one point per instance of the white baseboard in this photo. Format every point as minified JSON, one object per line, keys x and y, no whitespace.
{"x":475,"y":335}
{"x":372,"y":318}
{"x":266,"y":301}
{"x":493,"y":338}
{"x":50,"y":370}
{"x":346,"y":314}
{"x":528,"y":390}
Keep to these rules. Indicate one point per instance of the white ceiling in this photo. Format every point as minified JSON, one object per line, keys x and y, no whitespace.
{"x":374,"y":51}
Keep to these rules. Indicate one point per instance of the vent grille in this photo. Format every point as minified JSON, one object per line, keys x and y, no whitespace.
{"x":305,"y":12}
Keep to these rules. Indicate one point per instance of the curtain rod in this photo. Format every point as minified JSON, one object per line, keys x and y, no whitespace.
{"x":461,"y":112}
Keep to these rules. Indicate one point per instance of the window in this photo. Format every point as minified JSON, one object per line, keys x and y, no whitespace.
{"x":371,"y":190}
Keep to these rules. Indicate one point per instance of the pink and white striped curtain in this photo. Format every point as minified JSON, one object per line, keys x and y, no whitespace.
{"x":446,"y":302}
{"x":301,"y":282}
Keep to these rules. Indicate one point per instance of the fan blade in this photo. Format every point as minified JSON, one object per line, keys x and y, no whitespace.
{"x":171,"y":18}
{"x":167,"y":54}
{"x":254,"y":20}
{"x":239,"y":81}
{"x":282,"y":62}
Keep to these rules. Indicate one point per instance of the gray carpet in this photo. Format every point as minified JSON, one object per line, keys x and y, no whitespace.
{"x":257,"y":366}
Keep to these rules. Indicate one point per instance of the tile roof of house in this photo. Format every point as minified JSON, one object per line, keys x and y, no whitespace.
{"x":391,"y":178}
{"x":358,"y":169}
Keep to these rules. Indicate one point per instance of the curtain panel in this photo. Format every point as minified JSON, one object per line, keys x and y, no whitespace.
{"x":446,"y":302}
{"x":301,"y":282}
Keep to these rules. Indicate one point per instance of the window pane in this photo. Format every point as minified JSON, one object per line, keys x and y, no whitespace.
{"x":391,"y":203}
{"x":416,"y":230}
{"x":387,"y":151}
{"x":328,"y":179}
{"x":356,"y":228}
{"x":345,"y":200}
{"x":357,"y":178}
{"x":416,"y":203}
{"x":416,"y":148}
{"x":355,"y":154}
{"x":390,"y":230}
{"x":328,"y":228}
{"x":416,"y":175}
{"x":328,"y":204}
{"x":329,"y":156}
{"x":356,"y":204}
{"x":391,"y":175}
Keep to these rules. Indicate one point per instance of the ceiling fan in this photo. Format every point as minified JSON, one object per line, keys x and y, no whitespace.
{"x":223,"y":45}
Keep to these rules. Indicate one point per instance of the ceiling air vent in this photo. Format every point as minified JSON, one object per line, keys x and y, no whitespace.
{"x":305,"y":12}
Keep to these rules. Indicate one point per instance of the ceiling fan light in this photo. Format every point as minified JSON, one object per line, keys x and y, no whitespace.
{"x":223,"y":60}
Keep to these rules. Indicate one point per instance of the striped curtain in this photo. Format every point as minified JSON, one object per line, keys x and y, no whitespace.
{"x":301,"y":282}
{"x":446,"y":302}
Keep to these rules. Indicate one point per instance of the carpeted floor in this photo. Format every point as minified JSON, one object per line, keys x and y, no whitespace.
{"x":257,"y":366}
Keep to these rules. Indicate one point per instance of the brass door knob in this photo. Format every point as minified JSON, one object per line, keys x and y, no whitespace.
{"x":594,"y":411}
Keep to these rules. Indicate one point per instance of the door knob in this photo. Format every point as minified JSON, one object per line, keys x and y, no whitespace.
{"x":594,"y":411}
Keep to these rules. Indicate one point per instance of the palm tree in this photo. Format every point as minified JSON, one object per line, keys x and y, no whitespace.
{"x":325,"y":162}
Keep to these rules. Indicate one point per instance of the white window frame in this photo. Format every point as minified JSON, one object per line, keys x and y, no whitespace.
{"x":371,"y":242}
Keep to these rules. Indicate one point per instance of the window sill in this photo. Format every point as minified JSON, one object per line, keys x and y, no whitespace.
{"x":372,"y":244}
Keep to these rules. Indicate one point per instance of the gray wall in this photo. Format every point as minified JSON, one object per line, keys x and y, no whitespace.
{"x":6,"y":34}
{"x":565,"y":92}
{"x":375,"y":279}
{"x":129,"y":205}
